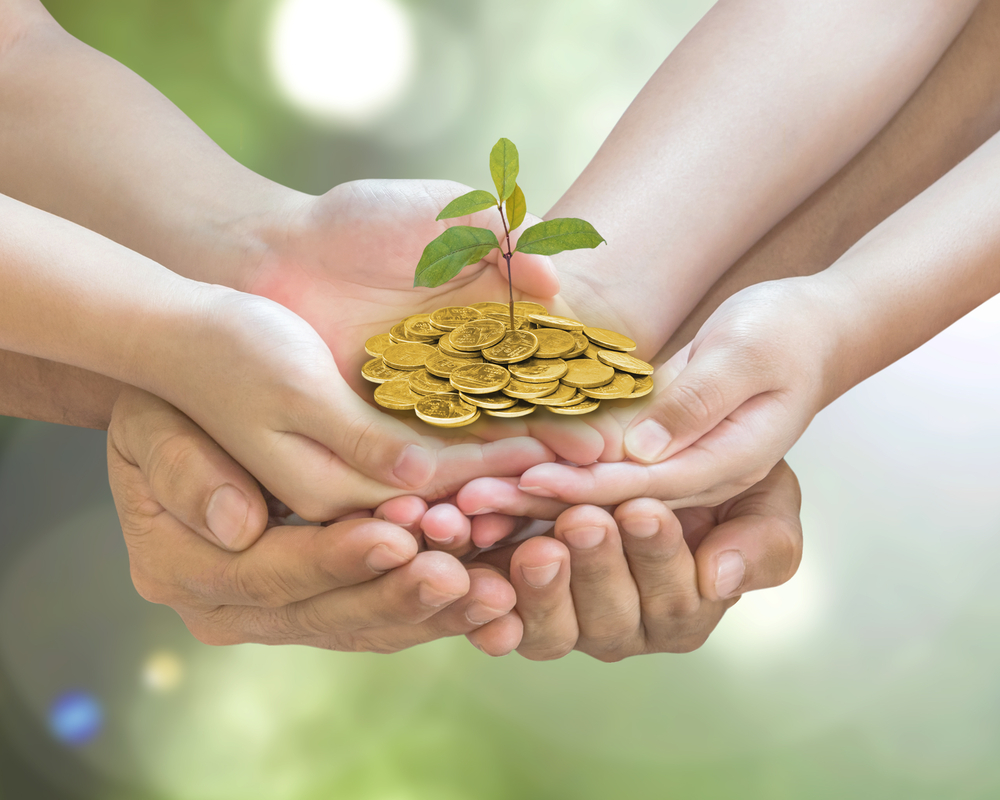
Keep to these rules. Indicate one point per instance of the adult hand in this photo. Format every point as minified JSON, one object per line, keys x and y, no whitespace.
{"x":646,"y":580}
{"x":196,"y":526}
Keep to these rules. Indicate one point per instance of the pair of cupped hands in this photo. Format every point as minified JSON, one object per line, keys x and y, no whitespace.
{"x":643,"y":559}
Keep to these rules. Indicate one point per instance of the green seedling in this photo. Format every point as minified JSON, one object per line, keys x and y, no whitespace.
{"x":462,"y":245}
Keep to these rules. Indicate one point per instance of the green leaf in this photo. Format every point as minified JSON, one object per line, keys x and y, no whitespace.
{"x":504,"y":166}
{"x":516,"y":208}
{"x":555,"y":235}
{"x":453,"y":250}
{"x":469,"y":203}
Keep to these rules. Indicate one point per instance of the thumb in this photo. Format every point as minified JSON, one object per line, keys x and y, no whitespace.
{"x":710,"y":386}
{"x":189,"y":475}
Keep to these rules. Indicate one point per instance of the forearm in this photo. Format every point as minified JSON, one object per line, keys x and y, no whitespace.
{"x":34,"y":388}
{"x":922,"y":269}
{"x":751,"y":113}
{"x":88,"y":140}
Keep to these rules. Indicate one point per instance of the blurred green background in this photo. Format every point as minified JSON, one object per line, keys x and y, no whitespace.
{"x":873,"y":673}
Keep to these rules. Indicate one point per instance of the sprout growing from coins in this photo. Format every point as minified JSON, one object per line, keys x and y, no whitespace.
{"x":458,"y":362}
{"x":462,"y":245}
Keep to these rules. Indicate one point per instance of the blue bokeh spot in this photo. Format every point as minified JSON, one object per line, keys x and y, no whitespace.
{"x":75,"y":718}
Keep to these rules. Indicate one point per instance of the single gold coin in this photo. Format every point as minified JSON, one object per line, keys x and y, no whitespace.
{"x":580,"y":408}
{"x":582,"y":343}
{"x":490,"y":307}
{"x":621,"y":386}
{"x":442,"y":364}
{"x":396,"y":395}
{"x":476,"y":335}
{"x":480,"y":378}
{"x":515,"y":346}
{"x":609,"y":340}
{"x":408,"y":355}
{"x":625,"y":363}
{"x":493,"y":401}
{"x":422,"y":382}
{"x":562,"y":323}
{"x":460,"y":423}
{"x":444,"y":409}
{"x":643,"y":386}
{"x":524,"y":390}
{"x":564,"y":395}
{"x":525,"y":307}
{"x":377,"y":344}
{"x":398,"y":335}
{"x":519,"y":409}
{"x":445,"y":346}
{"x":585,"y":372}
{"x":553,"y":343}
{"x":520,"y":323}
{"x":451,"y":317}
{"x":377,"y":371}
{"x":539,"y":370}
{"x":418,"y":327}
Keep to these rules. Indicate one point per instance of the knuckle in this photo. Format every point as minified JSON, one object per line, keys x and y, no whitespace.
{"x":263,"y":588}
{"x":693,"y":405}
{"x":549,"y":651}
{"x":170,"y":461}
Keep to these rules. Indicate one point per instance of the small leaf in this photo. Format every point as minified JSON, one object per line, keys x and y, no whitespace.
{"x":453,"y":250}
{"x":555,"y":235}
{"x":469,"y":203}
{"x":504,"y":167}
{"x":516,"y":208}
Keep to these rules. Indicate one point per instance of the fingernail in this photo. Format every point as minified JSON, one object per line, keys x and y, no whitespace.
{"x":414,"y":467}
{"x":381,"y":559}
{"x":537,"y":491}
{"x":227,"y":513}
{"x":647,"y":441}
{"x":483,"y":510}
{"x":584,"y":538}
{"x":641,"y":527}
{"x":729,"y":572}
{"x":434,"y":598}
{"x":440,"y":542}
{"x":540,"y":577}
{"x":480,"y":614}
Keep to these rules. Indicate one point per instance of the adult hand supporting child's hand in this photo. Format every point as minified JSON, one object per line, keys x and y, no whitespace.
{"x":356,"y":585}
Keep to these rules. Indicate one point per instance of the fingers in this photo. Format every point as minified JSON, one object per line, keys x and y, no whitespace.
{"x":759,"y":543}
{"x":540,"y":575}
{"x":447,"y":529}
{"x":186,"y":472}
{"x":492,"y":495}
{"x":406,"y":512}
{"x":573,"y":440}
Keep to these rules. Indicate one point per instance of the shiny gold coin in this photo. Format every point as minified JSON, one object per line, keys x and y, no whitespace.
{"x":408,"y":356}
{"x":562,"y":323}
{"x":621,"y":386}
{"x":609,"y":340}
{"x":525,"y":307}
{"x":539,"y":370}
{"x":418,"y":326}
{"x":377,"y":344}
{"x":490,"y":307}
{"x":585,"y":372}
{"x":493,"y":401}
{"x":480,"y":378}
{"x":582,"y":343}
{"x":422,"y":382}
{"x":515,"y":346}
{"x":520,"y":323}
{"x":580,"y":408}
{"x":553,"y":343}
{"x":519,"y":409}
{"x":591,"y":351}
{"x":377,"y":371}
{"x":476,"y":335}
{"x":460,"y":423}
{"x":444,"y":409}
{"x":445,"y":346}
{"x":525,"y":390}
{"x":643,"y":386}
{"x":564,"y":395}
{"x":398,"y":335}
{"x":451,"y":317}
{"x":442,"y":364}
{"x":396,"y":395}
{"x":625,"y":363}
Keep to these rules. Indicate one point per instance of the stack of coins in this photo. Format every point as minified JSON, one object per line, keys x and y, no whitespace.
{"x":451,"y":366}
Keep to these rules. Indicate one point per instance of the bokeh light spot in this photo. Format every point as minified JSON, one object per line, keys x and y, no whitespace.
{"x":75,"y":718}
{"x":341,"y":59}
{"x":162,"y":672}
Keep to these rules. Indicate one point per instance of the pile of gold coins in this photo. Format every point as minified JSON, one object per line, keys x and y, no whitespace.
{"x":454,"y":364}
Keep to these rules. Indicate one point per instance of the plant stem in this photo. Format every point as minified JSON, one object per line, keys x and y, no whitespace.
{"x":507,"y":256}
